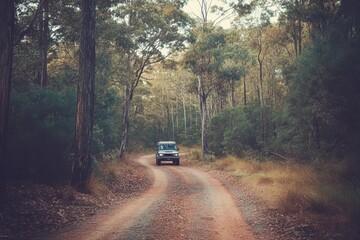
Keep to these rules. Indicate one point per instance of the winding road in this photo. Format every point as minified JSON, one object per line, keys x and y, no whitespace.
{"x":182,"y":203}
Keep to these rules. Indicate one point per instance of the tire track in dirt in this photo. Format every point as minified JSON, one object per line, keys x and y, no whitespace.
{"x":111,"y":225}
{"x":219,"y":210}
{"x":183,"y":203}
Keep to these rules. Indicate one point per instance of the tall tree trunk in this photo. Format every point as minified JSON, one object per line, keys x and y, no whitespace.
{"x":203,"y":112}
{"x":172,"y":123}
{"x":190,"y":113}
{"x":295,"y":37}
{"x":126,"y":122}
{"x":244,"y":89}
{"x":177,"y":117}
{"x":300,"y":36}
{"x":184,"y":109}
{"x":129,"y":94}
{"x":261,"y":91}
{"x":6,"y":55}
{"x":233,"y":102}
{"x":44,"y":43}
{"x":85,"y":99}
{"x":204,"y":140}
{"x":168,"y":121}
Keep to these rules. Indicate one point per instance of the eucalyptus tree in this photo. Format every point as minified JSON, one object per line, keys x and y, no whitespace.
{"x":33,"y":23}
{"x":6,"y":55}
{"x":204,"y":59}
{"x":170,"y":102}
{"x":237,"y":59}
{"x":42,"y":28}
{"x":330,"y":67}
{"x":148,"y":32}
{"x":82,"y":161}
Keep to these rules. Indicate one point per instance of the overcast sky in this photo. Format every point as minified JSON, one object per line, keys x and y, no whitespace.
{"x":193,"y":9}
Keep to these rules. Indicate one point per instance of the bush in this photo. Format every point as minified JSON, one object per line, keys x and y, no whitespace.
{"x":41,"y":128}
{"x":107,"y":128}
{"x":234,"y":130}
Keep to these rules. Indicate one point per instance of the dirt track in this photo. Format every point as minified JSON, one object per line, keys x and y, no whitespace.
{"x":183,"y":203}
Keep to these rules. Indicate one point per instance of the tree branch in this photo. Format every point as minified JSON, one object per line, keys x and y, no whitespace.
{"x":31,"y":24}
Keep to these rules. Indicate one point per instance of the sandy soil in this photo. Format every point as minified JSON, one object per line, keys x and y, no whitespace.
{"x":182,"y":203}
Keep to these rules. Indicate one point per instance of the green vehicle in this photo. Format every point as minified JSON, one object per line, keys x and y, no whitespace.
{"x":167,"y":151}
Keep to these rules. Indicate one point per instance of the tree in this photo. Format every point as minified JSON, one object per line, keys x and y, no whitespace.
{"x":204,"y":58}
{"x":85,"y":99}
{"x":6,"y":54}
{"x":146,"y":29}
{"x":44,"y":33}
{"x":293,"y":21}
{"x":322,"y":108}
{"x":262,"y":52}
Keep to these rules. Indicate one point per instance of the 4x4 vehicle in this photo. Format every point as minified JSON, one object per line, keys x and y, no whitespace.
{"x":167,"y":151}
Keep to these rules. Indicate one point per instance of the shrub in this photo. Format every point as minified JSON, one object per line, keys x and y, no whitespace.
{"x":41,"y":130}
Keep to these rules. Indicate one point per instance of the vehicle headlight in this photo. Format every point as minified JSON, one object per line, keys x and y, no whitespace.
{"x":160,"y":154}
{"x":176,"y":154}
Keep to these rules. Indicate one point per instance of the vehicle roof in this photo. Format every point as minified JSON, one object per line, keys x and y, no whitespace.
{"x":166,"y":142}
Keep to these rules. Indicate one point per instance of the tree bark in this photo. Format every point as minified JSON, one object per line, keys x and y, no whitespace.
{"x":233,"y":102}
{"x":184,"y":110}
{"x":85,"y":99}
{"x":261,"y":90}
{"x":244,"y":89}
{"x":125,"y":123}
{"x":6,"y":55}
{"x":203,"y":112}
{"x":44,"y":43}
{"x":129,"y":93}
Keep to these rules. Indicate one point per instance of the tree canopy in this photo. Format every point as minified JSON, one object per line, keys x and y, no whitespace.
{"x":288,"y":86}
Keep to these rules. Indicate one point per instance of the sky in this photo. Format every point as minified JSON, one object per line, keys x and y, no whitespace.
{"x":193,"y":9}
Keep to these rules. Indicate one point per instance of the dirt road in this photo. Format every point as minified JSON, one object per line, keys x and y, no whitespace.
{"x":183,"y":203}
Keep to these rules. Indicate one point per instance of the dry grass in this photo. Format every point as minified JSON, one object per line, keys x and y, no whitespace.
{"x":194,"y":154}
{"x":108,"y":171}
{"x":329,"y":188}
{"x":98,"y":187}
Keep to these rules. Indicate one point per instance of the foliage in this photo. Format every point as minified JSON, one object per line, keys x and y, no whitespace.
{"x":235,"y":130}
{"x":322,"y":114}
{"x":40,"y":133}
{"x":107,"y":121}
{"x":304,"y":106}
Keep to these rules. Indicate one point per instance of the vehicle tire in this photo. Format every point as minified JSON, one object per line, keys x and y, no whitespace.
{"x":158,"y":162}
{"x":177,"y":162}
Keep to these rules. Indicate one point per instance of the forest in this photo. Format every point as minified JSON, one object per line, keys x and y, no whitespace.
{"x":83,"y":79}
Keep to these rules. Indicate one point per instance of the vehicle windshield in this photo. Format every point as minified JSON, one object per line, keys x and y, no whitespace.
{"x":167,"y":147}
